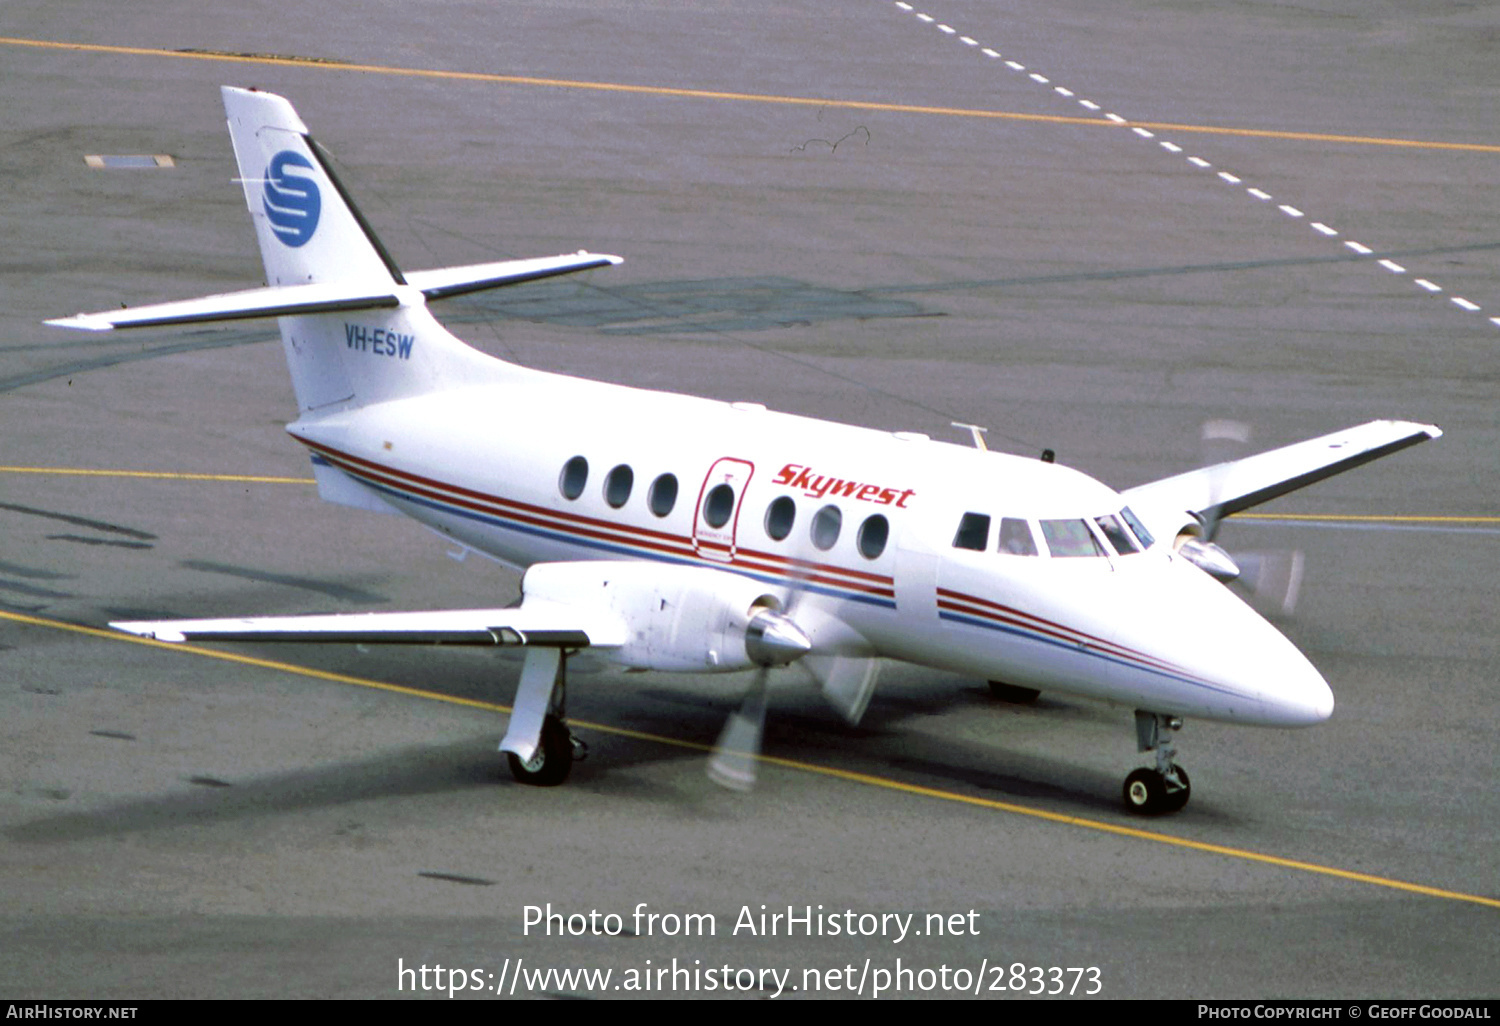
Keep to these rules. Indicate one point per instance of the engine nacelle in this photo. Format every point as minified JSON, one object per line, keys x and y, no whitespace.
{"x":676,"y":618}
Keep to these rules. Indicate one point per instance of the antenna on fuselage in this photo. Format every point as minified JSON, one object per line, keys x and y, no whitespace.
{"x":977,"y":432}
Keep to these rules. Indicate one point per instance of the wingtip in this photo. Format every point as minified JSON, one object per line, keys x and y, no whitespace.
{"x":152,"y":631}
{"x":82,"y":321}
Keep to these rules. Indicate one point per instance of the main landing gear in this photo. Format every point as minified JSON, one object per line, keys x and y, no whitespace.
{"x":538,"y":745}
{"x":1151,"y":792}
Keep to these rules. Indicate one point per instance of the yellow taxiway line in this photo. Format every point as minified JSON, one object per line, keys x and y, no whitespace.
{"x":713,"y":94}
{"x":850,"y":776}
{"x":1371,"y":518}
{"x":157,"y":475}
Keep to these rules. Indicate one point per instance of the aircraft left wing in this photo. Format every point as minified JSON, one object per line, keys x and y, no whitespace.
{"x":539,"y":624}
{"x":1228,"y":488}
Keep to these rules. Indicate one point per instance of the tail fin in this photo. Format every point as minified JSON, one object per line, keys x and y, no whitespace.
{"x":309,"y":232}
{"x":355,"y":329}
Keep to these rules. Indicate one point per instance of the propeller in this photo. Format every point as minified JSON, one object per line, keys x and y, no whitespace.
{"x":738,"y":749}
{"x":1221,"y":442}
{"x":1271,"y":578}
{"x":772,"y":639}
{"x":775,"y":638}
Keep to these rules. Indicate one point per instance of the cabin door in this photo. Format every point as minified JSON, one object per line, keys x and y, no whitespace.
{"x":718,"y":514}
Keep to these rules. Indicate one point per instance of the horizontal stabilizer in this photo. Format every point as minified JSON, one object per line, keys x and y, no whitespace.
{"x":458,"y":281}
{"x":539,"y":624}
{"x":1228,"y":488}
{"x":272,"y":301}
{"x":335,"y":296}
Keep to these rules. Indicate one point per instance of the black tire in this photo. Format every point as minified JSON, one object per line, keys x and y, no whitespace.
{"x":1177,"y":799}
{"x":553,"y":760}
{"x":1145,"y":792}
{"x":1013,"y":693}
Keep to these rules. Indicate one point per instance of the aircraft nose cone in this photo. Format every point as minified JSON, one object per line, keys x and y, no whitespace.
{"x":1231,"y":663}
{"x":1293,"y":692}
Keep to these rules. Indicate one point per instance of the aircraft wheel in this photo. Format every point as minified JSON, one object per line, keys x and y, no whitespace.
{"x":1145,"y":792}
{"x":1013,"y":693}
{"x":552,"y":761}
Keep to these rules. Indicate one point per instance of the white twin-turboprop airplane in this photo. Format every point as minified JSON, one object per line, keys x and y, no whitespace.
{"x":674,"y":533}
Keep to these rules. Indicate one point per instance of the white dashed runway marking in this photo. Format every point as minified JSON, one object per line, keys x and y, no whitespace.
{"x":1197,"y":162}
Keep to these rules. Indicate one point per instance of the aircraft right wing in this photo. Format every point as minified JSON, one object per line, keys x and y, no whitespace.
{"x":538,"y":624}
{"x":1227,"y":488}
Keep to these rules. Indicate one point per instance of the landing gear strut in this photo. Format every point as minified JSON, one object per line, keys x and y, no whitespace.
{"x":1151,"y":792}
{"x":538,"y":745}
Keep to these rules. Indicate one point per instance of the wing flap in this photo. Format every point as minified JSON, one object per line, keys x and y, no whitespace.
{"x":537,"y":624}
{"x":1228,"y":488}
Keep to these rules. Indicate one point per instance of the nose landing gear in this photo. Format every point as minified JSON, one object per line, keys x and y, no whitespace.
{"x":1166,"y":788}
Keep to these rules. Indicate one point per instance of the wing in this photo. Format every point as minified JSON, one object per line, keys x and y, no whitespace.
{"x":542,"y":624}
{"x":1228,"y":488}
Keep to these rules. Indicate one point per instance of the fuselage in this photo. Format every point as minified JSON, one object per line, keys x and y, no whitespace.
{"x":980,"y":563}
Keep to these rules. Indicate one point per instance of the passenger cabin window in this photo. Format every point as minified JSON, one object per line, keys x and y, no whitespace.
{"x":826,"y":524}
{"x":1016,"y":538}
{"x":719,"y":505}
{"x":973,"y":532}
{"x":873,"y":534}
{"x":1115,"y":531}
{"x":575,"y":474}
{"x":780,"y":516}
{"x":617,"y":485}
{"x":1070,"y":538}
{"x":663,"y":495}
{"x":1138,"y":527}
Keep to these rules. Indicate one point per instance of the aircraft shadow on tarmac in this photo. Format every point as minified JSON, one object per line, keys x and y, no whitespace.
{"x":666,"y":307}
{"x":799,"y":728}
{"x":467,"y":764}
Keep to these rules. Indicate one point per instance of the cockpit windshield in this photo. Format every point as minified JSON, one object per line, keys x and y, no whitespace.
{"x":1015,"y":537}
{"x":1115,"y":531}
{"x":1070,"y":538}
{"x":1084,"y":536}
{"x":1138,"y":527}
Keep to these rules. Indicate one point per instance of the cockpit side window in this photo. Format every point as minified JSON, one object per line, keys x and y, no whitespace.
{"x":1138,"y":527}
{"x":1118,"y":537}
{"x":973,"y":532}
{"x":1070,"y":538}
{"x":1016,"y":538}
